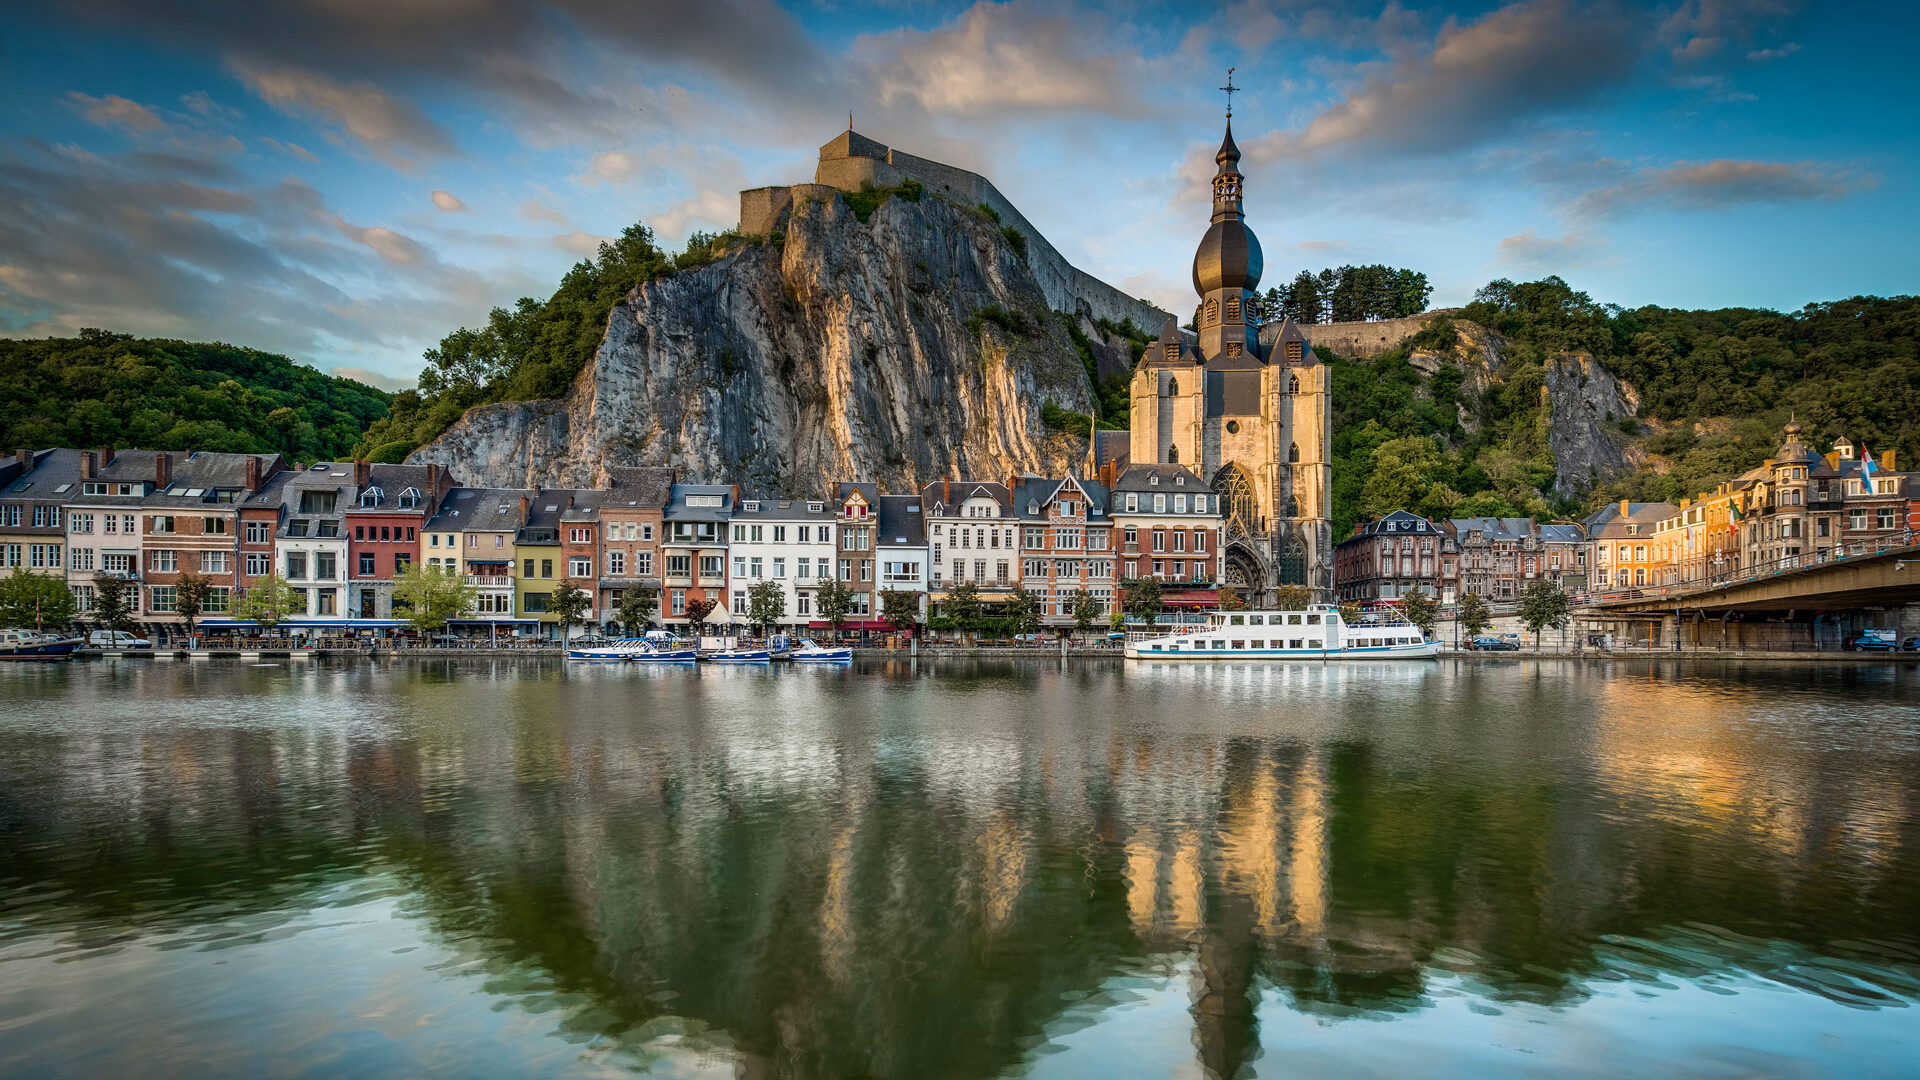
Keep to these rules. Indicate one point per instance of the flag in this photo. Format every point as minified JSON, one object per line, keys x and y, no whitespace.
{"x":1733,"y":520}
{"x":1867,"y":467}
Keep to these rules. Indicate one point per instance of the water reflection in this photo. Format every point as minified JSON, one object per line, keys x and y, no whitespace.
{"x":935,"y":868}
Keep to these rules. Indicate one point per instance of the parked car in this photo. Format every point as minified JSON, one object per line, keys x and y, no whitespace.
{"x":1875,"y":640}
{"x":116,"y":639}
{"x":1912,"y":644}
{"x":1492,"y":644}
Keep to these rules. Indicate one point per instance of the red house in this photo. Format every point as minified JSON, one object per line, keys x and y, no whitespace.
{"x":383,"y":530}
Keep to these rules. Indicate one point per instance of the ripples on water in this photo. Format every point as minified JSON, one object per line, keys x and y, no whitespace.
{"x":957,"y":870}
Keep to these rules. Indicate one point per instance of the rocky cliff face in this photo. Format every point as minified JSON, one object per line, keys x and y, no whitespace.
{"x":909,"y":347}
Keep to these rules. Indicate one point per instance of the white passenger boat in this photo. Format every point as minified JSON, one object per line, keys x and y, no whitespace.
{"x":810,"y":652}
{"x":34,"y":645}
{"x":1318,"y":633}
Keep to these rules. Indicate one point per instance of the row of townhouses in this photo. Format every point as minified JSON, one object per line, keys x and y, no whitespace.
{"x":341,"y":532}
{"x":1794,"y":506}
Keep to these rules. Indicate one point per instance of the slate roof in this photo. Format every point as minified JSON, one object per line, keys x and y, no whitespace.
{"x":1607,"y":521}
{"x":900,"y":523}
{"x":642,"y":487}
{"x":943,"y":498}
{"x":54,"y":477}
{"x":1562,"y":533}
{"x":1498,"y":528}
{"x":468,"y":509}
{"x":387,"y":482}
{"x":586,"y":505}
{"x":783,"y":509}
{"x":678,"y":510}
{"x":1397,"y":523}
{"x":1114,"y":446}
{"x":127,"y":466}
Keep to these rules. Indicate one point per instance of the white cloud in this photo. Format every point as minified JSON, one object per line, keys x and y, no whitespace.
{"x":1534,"y":253}
{"x":999,"y":57}
{"x":447,"y":202}
{"x":611,"y":167}
{"x":392,"y":129}
{"x":532,"y":210}
{"x":1717,"y":185}
{"x":290,"y":149}
{"x":114,"y":111}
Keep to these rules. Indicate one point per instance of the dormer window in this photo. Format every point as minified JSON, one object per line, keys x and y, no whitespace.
{"x":750,"y":504}
{"x":1033,"y":509}
{"x":371,"y":498}
{"x":409,"y":499}
{"x":1153,"y":480}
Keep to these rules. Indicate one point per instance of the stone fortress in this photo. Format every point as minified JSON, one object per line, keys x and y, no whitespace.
{"x":852,"y":162}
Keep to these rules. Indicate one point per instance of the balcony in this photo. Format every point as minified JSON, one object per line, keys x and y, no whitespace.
{"x":497,"y":581}
{"x":711,"y":581}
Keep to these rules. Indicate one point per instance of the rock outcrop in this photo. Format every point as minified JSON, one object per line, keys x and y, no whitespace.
{"x":1587,"y":404}
{"x":912,"y":346}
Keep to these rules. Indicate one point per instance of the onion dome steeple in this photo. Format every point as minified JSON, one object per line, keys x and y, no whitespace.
{"x":1229,"y":255}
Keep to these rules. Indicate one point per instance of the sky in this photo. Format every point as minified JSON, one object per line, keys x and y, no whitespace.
{"x":345,"y":181}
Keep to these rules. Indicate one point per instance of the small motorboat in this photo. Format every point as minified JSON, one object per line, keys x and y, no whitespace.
{"x":810,"y":651}
{"x":741,"y":656}
{"x":656,"y":651}
{"x":612,"y":650}
{"x":34,"y":645}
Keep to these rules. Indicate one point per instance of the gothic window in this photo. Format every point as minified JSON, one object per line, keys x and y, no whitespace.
{"x":1293,"y":563}
{"x":1173,"y":387}
{"x":1233,"y":309}
{"x":1293,"y":451}
{"x":1236,"y":501}
{"x":1173,"y":454}
{"x":1293,"y":384}
{"x":1213,"y":312}
{"x":1234,"y":348}
{"x":1293,"y":507}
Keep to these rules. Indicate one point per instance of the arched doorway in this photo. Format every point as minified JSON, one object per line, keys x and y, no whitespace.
{"x":1240,"y":568}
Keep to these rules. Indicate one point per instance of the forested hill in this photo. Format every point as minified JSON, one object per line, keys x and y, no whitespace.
{"x":106,"y":389}
{"x":1432,"y":427}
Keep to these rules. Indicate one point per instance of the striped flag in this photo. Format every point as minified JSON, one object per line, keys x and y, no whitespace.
{"x":1733,"y":520}
{"x":1867,"y":466}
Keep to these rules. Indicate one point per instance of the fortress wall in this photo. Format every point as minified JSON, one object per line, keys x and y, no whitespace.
{"x":1368,"y":339}
{"x":761,"y":209}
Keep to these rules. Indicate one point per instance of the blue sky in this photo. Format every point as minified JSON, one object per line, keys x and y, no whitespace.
{"x":347,"y":180}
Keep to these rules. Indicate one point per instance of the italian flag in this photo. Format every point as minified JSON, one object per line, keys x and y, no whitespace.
{"x":1733,"y":520}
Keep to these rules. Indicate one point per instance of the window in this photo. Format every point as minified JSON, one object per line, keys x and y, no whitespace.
{"x":158,"y":523}
{"x":1159,"y":504}
{"x":579,"y":566}
{"x":80,"y":523}
{"x":216,"y":562}
{"x":1033,"y":538}
{"x":526,"y":571}
{"x":779,"y":534}
{"x":616,"y":563}
{"x":533,"y":603}
{"x":646,"y":532}
{"x":679,"y":566}
{"x":80,"y":558}
{"x":323,"y":566}
{"x":779,"y":568}
{"x":366,"y":564}
{"x":317,"y":502}
{"x":546,"y":568}
{"x":711,"y":566}
{"x":739,"y":566}
{"x":296,"y":565}
{"x":213,"y":526}
{"x":754,"y":566}
{"x":1179,"y":540}
{"x":643,"y":563}
{"x":219,"y":599}
{"x":739,"y":601}
{"x":1199,"y":539}
{"x":1179,"y":504}
{"x":803,"y":604}
{"x":1159,"y":539}
{"x":1886,"y":520}
{"x":679,"y":606}
{"x":258,"y":563}
{"x":1857,"y":519}
{"x":166,"y":562}
{"x":161,"y":599}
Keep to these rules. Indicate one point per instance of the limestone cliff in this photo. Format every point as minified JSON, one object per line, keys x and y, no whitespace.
{"x":915,"y":345}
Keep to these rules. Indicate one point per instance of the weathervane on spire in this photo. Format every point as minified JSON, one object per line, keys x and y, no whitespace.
{"x":1230,"y":88}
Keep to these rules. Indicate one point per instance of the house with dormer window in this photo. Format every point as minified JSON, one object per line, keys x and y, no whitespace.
{"x":1066,"y":543}
{"x":972,"y":538}
{"x":384,"y":528}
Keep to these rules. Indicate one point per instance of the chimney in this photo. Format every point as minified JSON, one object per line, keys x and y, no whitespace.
{"x":25,"y":458}
{"x":89,"y":465}
{"x":1886,"y":459}
{"x":362,"y":472}
{"x":1623,"y":507}
{"x":106,"y":457}
{"x":433,"y":481}
{"x":946,"y":494}
{"x":523,"y":509}
{"x":736,"y":494}
{"x":253,"y":472}
{"x":162,"y":469}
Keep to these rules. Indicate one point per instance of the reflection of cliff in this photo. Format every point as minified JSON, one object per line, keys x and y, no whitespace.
{"x":918,"y":877}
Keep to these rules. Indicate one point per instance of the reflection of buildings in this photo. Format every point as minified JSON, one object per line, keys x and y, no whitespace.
{"x":838,"y":874}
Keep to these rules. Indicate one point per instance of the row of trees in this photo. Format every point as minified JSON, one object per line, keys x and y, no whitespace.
{"x":1543,"y":605}
{"x":1348,"y":294}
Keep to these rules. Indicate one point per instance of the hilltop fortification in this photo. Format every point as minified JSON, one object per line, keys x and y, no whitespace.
{"x":851,"y":162}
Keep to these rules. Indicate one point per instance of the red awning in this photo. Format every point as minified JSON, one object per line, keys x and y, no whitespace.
{"x":1192,"y":598}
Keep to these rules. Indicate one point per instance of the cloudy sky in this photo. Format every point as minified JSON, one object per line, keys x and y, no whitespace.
{"x":346,"y":180}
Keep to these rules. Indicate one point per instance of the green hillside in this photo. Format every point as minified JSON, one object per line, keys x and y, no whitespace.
{"x":1715,"y":388}
{"x":105,"y":389}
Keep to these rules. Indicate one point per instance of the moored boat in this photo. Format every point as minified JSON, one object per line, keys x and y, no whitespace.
{"x":612,"y":650}
{"x":810,"y":651}
{"x":34,"y":645}
{"x":1318,"y":633}
{"x":741,"y":656}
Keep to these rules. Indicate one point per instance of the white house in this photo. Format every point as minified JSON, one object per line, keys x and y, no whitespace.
{"x":786,"y":541}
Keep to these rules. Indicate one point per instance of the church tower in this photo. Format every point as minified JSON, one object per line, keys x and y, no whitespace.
{"x":1246,"y":407}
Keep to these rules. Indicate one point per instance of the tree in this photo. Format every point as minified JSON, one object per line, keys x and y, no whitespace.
{"x":833,"y":602}
{"x":1472,"y":615}
{"x":1086,"y":610}
{"x":113,"y":602}
{"x":1293,"y":597}
{"x":1543,"y":604}
{"x":766,"y":603}
{"x":570,"y":604}
{"x":636,"y":608}
{"x":962,"y":605}
{"x":269,"y":600}
{"x":190,"y":595}
{"x":1141,"y":597}
{"x":900,"y":608}
{"x":1422,"y":610}
{"x":36,"y":600}
{"x":1023,"y":611}
{"x":698,"y":608}
{"x":431,"y":596}
{"x":1231,"y":600}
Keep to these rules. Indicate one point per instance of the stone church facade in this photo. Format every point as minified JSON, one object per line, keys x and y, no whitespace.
{"x":1250,"y":411}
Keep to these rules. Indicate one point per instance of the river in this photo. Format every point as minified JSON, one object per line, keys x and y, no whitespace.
{"x":959,"y":869}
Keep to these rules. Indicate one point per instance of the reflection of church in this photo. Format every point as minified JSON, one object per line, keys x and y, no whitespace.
{"x":1247,"y":408}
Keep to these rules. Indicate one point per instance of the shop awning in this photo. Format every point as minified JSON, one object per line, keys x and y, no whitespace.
{"x":493,"y":622}
{"x":1192,"y":598}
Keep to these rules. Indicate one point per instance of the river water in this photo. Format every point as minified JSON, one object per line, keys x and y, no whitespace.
{"x":959,"y":869}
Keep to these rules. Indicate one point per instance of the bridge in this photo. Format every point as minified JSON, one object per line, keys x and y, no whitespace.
{"x":1799,"y":602}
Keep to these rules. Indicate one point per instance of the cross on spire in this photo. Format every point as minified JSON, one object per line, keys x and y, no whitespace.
{"x":1230,"y":89}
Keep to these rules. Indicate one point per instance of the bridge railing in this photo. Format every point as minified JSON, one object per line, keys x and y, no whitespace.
{"x":1717,"y":579}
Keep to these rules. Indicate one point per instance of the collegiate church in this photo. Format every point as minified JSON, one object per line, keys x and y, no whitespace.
{"x":1247,"y":408}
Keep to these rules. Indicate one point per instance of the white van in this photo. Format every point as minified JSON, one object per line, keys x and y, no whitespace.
{"x":116,"y":639}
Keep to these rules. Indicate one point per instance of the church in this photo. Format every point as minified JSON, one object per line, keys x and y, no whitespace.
{"x":1246,"y":407}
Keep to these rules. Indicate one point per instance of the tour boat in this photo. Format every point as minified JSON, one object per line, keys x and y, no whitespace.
{"x":657,"y":651}
{"x":612,"y":650}
{"x":809,"y":651}
{"x":741,"y":656}
{"x":1318,"y":633}
{"x":33,"y":645}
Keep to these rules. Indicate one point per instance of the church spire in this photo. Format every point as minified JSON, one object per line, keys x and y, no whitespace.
{"x":1226,"y":179}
